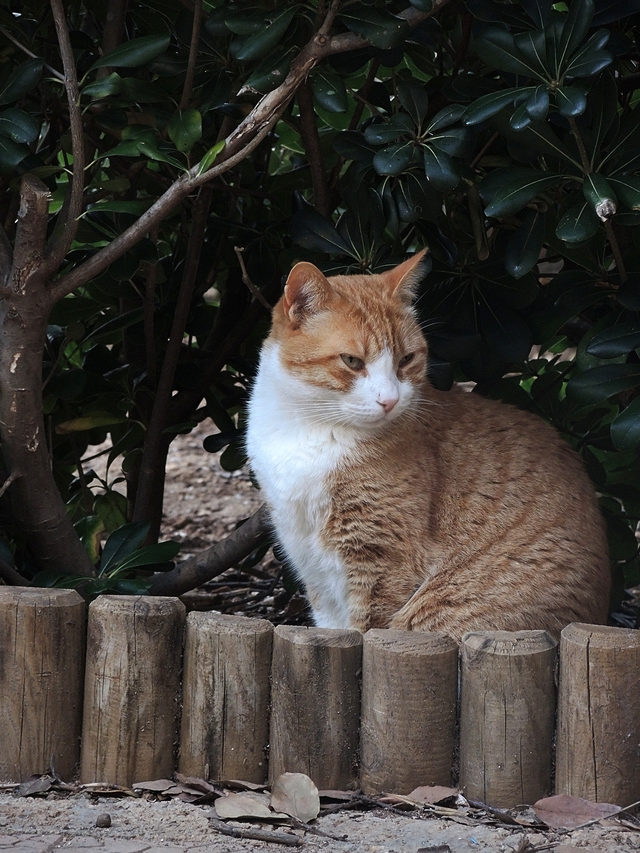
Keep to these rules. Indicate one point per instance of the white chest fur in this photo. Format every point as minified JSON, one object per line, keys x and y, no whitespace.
{"x":293,"y":453}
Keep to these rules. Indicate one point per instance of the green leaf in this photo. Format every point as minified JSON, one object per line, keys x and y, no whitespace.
{"x":352,"y":145}
{"x":589,"y":64}
{"x":414,"y":99}
{"x":615,"y":341}
{"x":147,"y":555}
{"x":104,"y":88}
{"x":422,"y":5}
{"x":134,"y":53}
{"x":599,"y":193}
{"x":394,"y":159}
{"x":111,"y":509}
{"x":244,"y":23}
{"x":271,"y":72}
{"x":516,"y":194}
{"x":121,"y":544}
{"x":524,"y":247}
{"x":185,"y":129}
{"x":453,"y":140}
{"x":574,"y":29}
{"x":627,"y":190}
{"x":538,"y":135}
{"x":603,"y":382}
{"x":498,"y":49}
{"x":259,"y":44}
{"x":329,"y":90}
{"x":379,"y":27}
{"x":625,"y":428}
{"x":440,"y":169}
{"x":135,"y":207}
{"x":570,"y":101}
{"x":578,"y":224}
{"x":489,"y":105}
{"x":155,"y":153}
{"x":445,"y":117}
{"x":210,"y":157}
{"x":90,"y":530}
{"x":68,"y":384}
{"x":385,"y":132}
{"x":311,"y":230}
{"x":532,"y":45}
{"x":23,"y":79}
{"x":19,"y":126}
{"x":504,"y":332}
{"x":520,"y":118}
{"x":141,"y":91}
{"x":537,"y":104}
{"x":87,"y":422}
{"x":11,"y":153}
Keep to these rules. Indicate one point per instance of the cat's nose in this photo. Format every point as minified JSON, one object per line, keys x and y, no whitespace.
{"x":388,"y":403}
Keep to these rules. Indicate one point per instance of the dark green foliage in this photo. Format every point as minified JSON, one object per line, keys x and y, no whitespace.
{"x":503,"y":135}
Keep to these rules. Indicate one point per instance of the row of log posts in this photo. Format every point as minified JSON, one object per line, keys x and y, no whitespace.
{"x":376,"y":711}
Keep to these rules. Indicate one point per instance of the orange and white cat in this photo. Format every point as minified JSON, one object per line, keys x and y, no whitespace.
{"x":406,"y":507}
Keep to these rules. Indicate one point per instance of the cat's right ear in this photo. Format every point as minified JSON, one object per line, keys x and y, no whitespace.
{"x":306,"y":292}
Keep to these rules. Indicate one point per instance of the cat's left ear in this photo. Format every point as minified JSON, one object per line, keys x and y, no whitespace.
{"x":403,"y":279}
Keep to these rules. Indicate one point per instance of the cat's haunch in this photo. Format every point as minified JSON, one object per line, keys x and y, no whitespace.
{"x":406,"y":507}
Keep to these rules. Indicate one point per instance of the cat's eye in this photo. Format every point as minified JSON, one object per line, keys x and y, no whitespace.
{"x":352,"y":361}
{"x":406,"y":359}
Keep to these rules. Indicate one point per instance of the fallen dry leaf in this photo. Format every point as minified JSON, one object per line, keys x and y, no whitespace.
{"x":433,"y":794}
{"x":35,"y":786}
{"x":155,"y":785}
{"x":240,"y":785}
{"x":296,"y":795}
{"x":195,"y":782}
{"x":566,"y":812}
{"x":246,"y":804}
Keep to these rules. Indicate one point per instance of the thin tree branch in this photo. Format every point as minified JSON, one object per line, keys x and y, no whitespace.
{"x":615,"y":248}
{"x":247,"y":280}
{"x":215,"y":560}
{"x":158,"y":420}
{"x":11,"y":577}
{"x":193,"y":56}
{"x":67,"y":227}
{"x":13,"y":476}
{"x":30,"y":53}
{"x":311,"y":140}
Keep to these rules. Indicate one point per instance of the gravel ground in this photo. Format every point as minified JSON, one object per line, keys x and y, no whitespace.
{"x":33,"y":825}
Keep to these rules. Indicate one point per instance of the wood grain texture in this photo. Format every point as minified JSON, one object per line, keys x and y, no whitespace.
{"x":225,"y":712}
{"x":507,"y":713}
{"x":315,"y":704}
{"x":42,"y":641}
{"x":409,"y":692}
{"x":598,"y":748}
{"x":132,"y":685}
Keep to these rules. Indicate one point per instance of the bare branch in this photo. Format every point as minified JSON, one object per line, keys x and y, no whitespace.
{"x":193,"y":56}
{"x":67,"y":227}
{"x":13,"y":476}
{"x":311,"y":140}
{"x":247,"y":280}
{"x":11,"y":577}
{"x":212,"y":562}
{"x":31,"y":232}
{"x":158,"y":420}
{"x":30,"y":53}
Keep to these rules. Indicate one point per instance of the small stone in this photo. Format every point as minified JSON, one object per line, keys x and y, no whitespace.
{"x":103,"y":820}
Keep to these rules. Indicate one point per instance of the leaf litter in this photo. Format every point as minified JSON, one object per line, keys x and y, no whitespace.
{"x":294,"y":800}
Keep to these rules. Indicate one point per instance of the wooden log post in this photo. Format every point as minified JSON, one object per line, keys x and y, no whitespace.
{"x":598,"y":746}
{"x":507,"y":714}
{"x":132,"y":684}
{"x":225,"y":706}
{"x":42,"y":641}
{"x":315,"y":704}
{"x":409,"y":696}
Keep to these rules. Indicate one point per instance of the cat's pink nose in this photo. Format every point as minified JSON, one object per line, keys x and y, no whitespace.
{"x":388,"y":403}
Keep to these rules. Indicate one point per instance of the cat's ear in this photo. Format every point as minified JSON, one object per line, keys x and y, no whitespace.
{"x":403,"y":279}
{"x":306,"y":292}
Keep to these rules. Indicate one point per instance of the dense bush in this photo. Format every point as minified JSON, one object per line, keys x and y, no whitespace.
{"x":502,"y":135}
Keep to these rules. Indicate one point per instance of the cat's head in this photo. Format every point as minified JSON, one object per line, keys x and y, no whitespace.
{"x":352,"y":342}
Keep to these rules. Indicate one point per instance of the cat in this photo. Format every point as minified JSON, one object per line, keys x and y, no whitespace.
{"x":401,"y":506}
